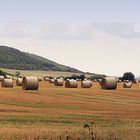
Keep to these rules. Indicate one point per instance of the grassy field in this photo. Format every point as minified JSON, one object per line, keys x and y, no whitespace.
{"x":58,"y":113}
{"x":40,"y":73}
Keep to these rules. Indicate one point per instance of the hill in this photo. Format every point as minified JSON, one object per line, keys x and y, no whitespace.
{"x":15,"y":59}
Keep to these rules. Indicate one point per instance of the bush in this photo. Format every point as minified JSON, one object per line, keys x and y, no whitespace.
{"x":128,"y":76}
{"x":82,"y":76}
{"x":2,"y":73}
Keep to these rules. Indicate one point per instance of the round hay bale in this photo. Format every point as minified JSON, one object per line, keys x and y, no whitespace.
{"x":127,"y":85}
{"x":86,"y":84}
{"x":71,"y":83}
{"x":14,"y":78}
{"x":40,"y":78}
{"x":19,"y":82}
{"x":126,"y":81}
{"x":95,"y":80}
{"x":99,"y":80}
{"x":46,"y":79}
{"x":30,"y":83}
{"x":51,"y":80}
{"x":134,"y":81}
{"x":7,"y":83}
{"x":59,"y":82}
{"x":1,"y":78}
{"x":108,"y":83}
{"x":119,"y":80}
{"x":8,"y":77}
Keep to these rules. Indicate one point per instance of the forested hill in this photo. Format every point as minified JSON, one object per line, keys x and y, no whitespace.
{"x":15,"y":59}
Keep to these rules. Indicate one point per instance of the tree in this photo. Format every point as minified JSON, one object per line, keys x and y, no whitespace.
{"x":17,"y":73}
{"x":128,"y":76}
{"x":97,"y":76}
{"x":82,"y":77}
{"x":2,"y":73}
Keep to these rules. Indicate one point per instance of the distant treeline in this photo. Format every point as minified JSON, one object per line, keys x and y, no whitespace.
{"x":81,"y":77}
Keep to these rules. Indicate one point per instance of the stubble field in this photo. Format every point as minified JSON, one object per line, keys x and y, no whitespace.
{"x":59,"y":113}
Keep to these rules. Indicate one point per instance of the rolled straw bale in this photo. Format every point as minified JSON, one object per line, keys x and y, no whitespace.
{"x":46,"y":79}
{"x":135,"y":81}
{"x":19,"y":82}
{"x":59,"y":82}
{"x":40,"y":78}
{"x":126,"y":81}
{"x":119,"y":80}
{"x":108,"y":83}
{"x":1,"y":78}
{"x":8,"y":77}
{"x":7,"y":83}
{"x":127,"y":85}
{"x":71,"y":83}
{"x":86,"y":84}
{"x":14,"y":78}
{"x":51,"y":80}
{"x":61,"y":78}
{"x":99,"y":80}
{"x":30,"y":83}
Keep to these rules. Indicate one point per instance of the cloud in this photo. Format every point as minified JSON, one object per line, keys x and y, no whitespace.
{"x":15,"y":30}
{"x":87,"y":32}
{"x":101,"y":48}
{"x":61,"y":31}
{"x":64,"y":32}
{"x":122,"y":30}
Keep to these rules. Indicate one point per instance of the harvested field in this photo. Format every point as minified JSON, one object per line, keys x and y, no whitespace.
{"x":55,"y":112}
{"x":42,"y":73}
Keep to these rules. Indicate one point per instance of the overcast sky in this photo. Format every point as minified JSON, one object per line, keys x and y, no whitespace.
{"x":100,"y":36}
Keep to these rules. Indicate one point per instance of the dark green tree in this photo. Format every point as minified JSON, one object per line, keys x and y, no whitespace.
{"x":82,"y":77}
{"x":2,"y":73}
{"x":96,"y":77}
{"x":128,"y":76}
{"x":17,"y":73}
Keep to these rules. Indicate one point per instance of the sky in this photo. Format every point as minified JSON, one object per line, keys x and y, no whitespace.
{"x":99,"y":36}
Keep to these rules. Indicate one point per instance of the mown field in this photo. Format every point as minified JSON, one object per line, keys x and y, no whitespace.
{"x":57,"y":113}
{"x":41,"y":73}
